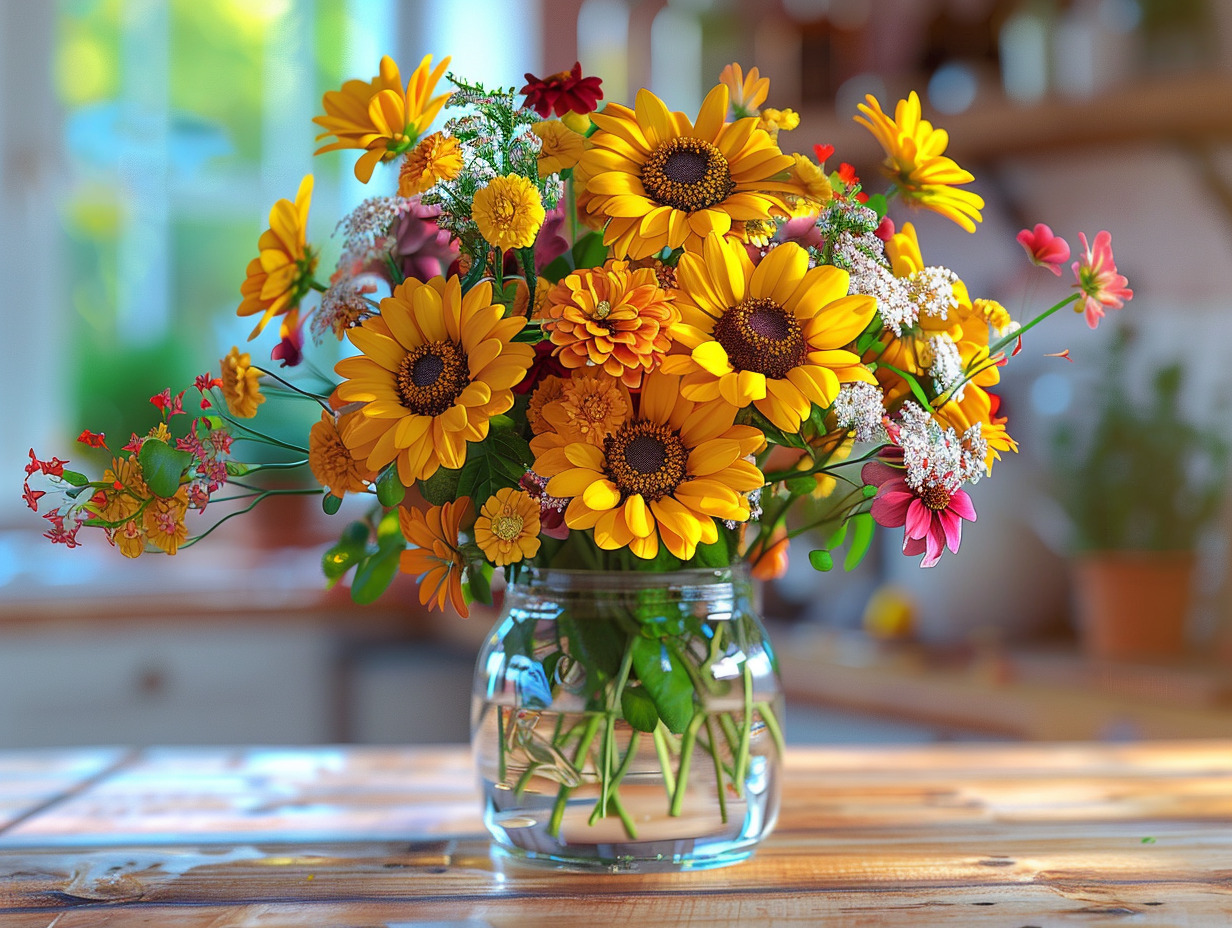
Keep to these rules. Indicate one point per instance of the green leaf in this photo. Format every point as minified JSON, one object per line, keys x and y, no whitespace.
{"x":878,"y":204}
{"x":836,"y":539}
{"x":713,"y":555}
{"x":589,"y":250}
{"x":389,"y":489}
{"x":863,"y":528}
{"x":374,"y":575}
{"x":499,"y":461}
{"x":479,"y":265}
{"x":773,"y":434}
{"x":389,"y":532}
{"x":598,"y":646}
{"x":338,"y":560}
{"x":162,"y":466}
{"x":237,"y":469}
{"x":800,"y":486}
{"x":558,"y":270}
{"x":441,"y":487}
{"x":330,"y":503}
{"x":868,"y":491}
{"x":638,"y":708}
{"x":478,"y":579}
{"x":666,"y":680}
{"x":916,"y":388}
{"x":74,"y":478}
{"x":821,"y":560}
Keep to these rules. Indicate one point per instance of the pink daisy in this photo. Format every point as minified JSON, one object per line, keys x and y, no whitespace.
{"x":932,"y":517}
{"x":1098,"y":279}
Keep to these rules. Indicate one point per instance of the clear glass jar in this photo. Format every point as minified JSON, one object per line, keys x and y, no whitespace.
{"x":629,"y":720}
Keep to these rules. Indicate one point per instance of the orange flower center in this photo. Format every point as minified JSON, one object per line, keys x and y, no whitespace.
{"x":935,"y":497}
{"x":507,"y":527}
{"x":760,"y":335}
{"x":687,"y":174}
{"x":431,"y":377}
{"x":647,"y":458}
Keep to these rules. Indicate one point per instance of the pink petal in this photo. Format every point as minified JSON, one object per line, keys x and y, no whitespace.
{"x":935,"y":543}
{"x":951,"y":525}
{"x":960,"y":502}
{"x":875,"y":473}
{"x":913,"y":546}
{"x":919,"y":518}
{"x":890,"y":509}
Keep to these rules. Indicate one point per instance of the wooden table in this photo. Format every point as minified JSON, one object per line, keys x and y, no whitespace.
{"x":962,"y":835}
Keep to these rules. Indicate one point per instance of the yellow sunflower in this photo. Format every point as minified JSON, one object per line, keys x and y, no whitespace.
{"x":665,"y":474}
{"x":434,"y":555}
{"x":331,"y":462}
{"x":436,"y":366}
{"x":562,"y":147}
{"x":380,"y":115}
{"x":241,"y":384}
{"x":507,"y":529}
{"x":438,"y":157}
{"x":611,"y":317}
{"x":508,"y":212}
{"x":664,"y":181}
{"x":281,"y":274}
{"x":916,"y":164}
{"x":773,"y":336}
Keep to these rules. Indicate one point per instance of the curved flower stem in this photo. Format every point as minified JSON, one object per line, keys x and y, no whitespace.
{"x":579,"y":757}
{"x":746,"y":727}
{"x":259,"y":497}
{"x":776,"y":476}
{"x":1014,"y":336}
{"x":665,"y":760}
{"x":315,"y":397}
{"x":772,"y":723}
{"x":718,"y":771}
{"x":260,"y":436}
{"x":686,"y":756}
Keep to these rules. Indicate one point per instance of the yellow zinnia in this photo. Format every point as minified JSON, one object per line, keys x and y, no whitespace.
{"x":241,"y":384}
{"x":380,"y":115}
{"x":665,"y":474}
{"x":773,"y":336}
{"x":589,"y":407}
{"x":438,"y":157}
{"x":281,"y":274}
{"x":664,"y":181}
{"x":916,"y":164}
{"x":508,"y":212}
{"x":507,"y":529}
{"x":562,"y":147}
{"x":612,"y":317}
{"x":434,"y":555}
{"x":436,"y":366}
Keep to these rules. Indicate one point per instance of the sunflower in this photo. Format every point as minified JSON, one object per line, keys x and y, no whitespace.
{"x":241,"y":384}
{"x":281,"y":274}
{"x":508,"y":212}
{"x":666,"y":474}
{"x":436,"y":366}
{"x":916,"y":164}
{"x":434,"y":555}
{"x":561,"y":149}
{"x":773,"y":335}
{"x":663,"y":181}
{"x":331,"y":462}
{"x":589,"y":407}
{"x":507,"y":529}
{"x":379,"y":115}
{"x":438,"y":157}
{"x":612,"y":317}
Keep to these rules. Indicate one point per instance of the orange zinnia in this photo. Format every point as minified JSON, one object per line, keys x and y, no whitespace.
{"x":611,"y":317}
{"x":434,"y":556}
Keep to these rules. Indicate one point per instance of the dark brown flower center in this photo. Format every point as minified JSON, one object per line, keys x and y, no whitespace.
{"x":431,"y":377}
{"x":647,"y":458}
{"x":760,"y":335}
{"x":935,"y":497}
{"x":687,"y":174}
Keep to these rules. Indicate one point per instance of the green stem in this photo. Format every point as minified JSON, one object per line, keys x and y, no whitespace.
{"x":772,"y":723}
{"x":665,"y":760}
{"x":500,"y":740}
{"x":686,"y":755}
{"x":1014,"y":336}
{"x":315,"y":397}
{"x":260,"y":436}
{"x":718,"y":772}
{"x":524,"y":779}
{"x":746,"y":728}
{"x":626,"y":820}
{"x":571,"y":210}
{"x":248,"y":508}
{"x":579,"y":760}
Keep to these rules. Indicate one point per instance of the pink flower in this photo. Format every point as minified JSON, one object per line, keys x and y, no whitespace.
{"x":932,"y":517}
{"x":1098,"y":279}
{"x":1044,"y":248}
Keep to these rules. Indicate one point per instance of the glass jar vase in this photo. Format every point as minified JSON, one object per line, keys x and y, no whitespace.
{"x":629,"y":720}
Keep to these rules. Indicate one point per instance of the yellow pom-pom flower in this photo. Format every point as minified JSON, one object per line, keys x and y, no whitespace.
{"x":508,"y":212}
{"x":241,"y":384}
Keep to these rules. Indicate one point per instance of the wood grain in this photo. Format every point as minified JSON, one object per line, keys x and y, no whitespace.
{"x":968,"y":835}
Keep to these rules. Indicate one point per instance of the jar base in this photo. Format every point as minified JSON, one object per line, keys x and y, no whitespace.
{"x":617,"y":858}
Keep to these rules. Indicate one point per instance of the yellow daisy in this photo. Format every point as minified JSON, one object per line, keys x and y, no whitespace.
{"x":438,"y":157}
{"x":562,"y":147}
{"x":380,"y":115}
{"x":436,"y":366}
{"x":664,"y":475}
{"x":241,"y":384}
{"x":774,"y":336}
{"x":916,"y":164}
{"x":508,"y":212}
{"x":281,"y":274}
{"x":331,"y":462}
{"x":434,"y":555}
{"x":507,"y":529}
{"x":663,"y":181}
{"x":611,"y":317}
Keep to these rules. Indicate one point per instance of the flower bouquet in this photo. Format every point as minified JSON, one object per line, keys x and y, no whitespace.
{"x":626,"y":356}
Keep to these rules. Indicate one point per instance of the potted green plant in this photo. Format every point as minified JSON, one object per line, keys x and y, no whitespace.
{"x":1140,"y":489}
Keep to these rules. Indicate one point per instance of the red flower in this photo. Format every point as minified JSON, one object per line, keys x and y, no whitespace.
{"x":289,"y":351}
{"x":92,"y":439}
{"x":32,"y":497}
{"x":1098,"y":279}
{"x":932,"y":517}
{"x":564,"y":92}
{"x":1043,"y":248}
{"x":847,"y":174}
{"x":545,"y":364}
{"x":822,"y":152}
{"x":170,"y":405}
{"x":134,"y":444}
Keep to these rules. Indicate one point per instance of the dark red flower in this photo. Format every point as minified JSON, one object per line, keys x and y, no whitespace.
{"x":544,"y":365}
{"x":92,"y":439}
{"x":564,"y":92}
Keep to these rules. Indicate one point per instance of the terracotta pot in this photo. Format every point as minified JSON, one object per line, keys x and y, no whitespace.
{"x":1133,"y":605}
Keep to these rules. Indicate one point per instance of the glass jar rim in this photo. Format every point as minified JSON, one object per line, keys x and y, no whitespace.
{"x":568,"y":578}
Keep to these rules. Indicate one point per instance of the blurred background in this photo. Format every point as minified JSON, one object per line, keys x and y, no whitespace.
{"x":143,"y":141}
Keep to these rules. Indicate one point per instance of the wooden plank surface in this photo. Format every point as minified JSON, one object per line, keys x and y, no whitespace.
{"x":970,"y":835}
